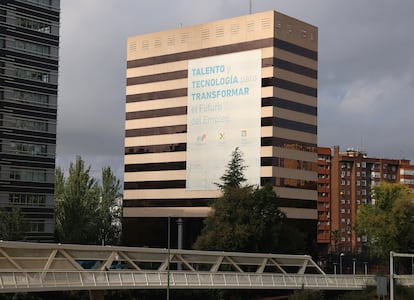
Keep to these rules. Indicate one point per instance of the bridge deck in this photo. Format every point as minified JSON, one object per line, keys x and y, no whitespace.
{"x":47,"y":267}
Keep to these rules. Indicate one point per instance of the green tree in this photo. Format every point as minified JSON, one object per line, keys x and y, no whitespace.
{"x":87,"y":212}
{"x":389,"y":221}
{"x":247,"y":218}
{"x":109,"y":210}
{"x":233,"y":175}
{"x":13,"y":226}
{"x":76,"y":202}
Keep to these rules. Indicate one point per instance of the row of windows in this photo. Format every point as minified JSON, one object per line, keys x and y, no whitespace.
{"x":267,"y":141}
{"x":265,"y":161}
{"x":244,"y":46}
{"x":295,"y":183}
{"x":26,"y":124}
{"x":33,"y":75}
{"x":406,"y":172}
{"x":29,"y":97}
{"x":29,"y":149}
{"x":174,"y":111}
{"x":27,"y":199}
{"x":41,"y":2}
{"x":407,"y":181}
{"x":288,"y":163}
{"x":180,"y":184}
{"x":36,"y":226}
{"x":32,"y":48}
{"x":34,"y":25}
{"x":28,"y":175}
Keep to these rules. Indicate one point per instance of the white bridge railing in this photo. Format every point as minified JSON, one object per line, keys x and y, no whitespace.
{"x":48,"y":267}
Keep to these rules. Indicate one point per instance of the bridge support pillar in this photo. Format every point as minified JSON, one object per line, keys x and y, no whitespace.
{"x":96,"y":295}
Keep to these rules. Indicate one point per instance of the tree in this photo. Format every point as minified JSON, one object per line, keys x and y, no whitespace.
{"x":13,"y":227}
{"x":233,"y":175}
{"x":389,"y":221}
{"x":109,"y":210}
{"x":247,"y":218}
{"x":85,"y":211}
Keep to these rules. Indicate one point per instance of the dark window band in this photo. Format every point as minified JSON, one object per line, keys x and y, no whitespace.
{"x":182,"y":110}
{"x":288,"y":144}
{"x":295,"y":49}
{"x":288,"y":163}
{"x":158,"y":77}
{"x":239,"y":47}
{"x":291,"y":105}
{"x":276,"y":82}
{"x":166,"y":202}
{"x":157,"y":95}
{"x":296,"y":203}
{"x":289,"y":124}
{"x":156,"y":113}
{"x":265,"y":141}
{"x":289,"y":85}
{"x":143,"y":185}
{"x":266,"y":62}
{"x":156,"y":148}
{"x":289,"y":66}
{"x":156,"y":131}
{"x":167,"y":166}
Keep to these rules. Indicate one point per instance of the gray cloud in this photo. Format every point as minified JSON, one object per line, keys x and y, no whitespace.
{"x":366,"y":63}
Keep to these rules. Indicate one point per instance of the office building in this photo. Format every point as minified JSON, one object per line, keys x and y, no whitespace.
{"x":29,"y":41}
{"x":196,"y":93}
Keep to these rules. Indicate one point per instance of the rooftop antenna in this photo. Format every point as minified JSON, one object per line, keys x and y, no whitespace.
{"x":250,"y":7}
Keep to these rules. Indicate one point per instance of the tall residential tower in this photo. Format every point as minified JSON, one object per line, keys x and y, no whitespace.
{"x":196,"y":93}
{"x":29,"y":44}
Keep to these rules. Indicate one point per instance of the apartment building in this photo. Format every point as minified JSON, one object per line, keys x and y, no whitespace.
{"x":352,"y":174}
{"x":29,"y":44}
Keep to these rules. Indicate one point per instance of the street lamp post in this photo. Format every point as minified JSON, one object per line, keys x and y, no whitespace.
{"x":366,"y":267}
{"x":353,"y":265}
{"x":168,"y":258}
{"x":340,"y":262}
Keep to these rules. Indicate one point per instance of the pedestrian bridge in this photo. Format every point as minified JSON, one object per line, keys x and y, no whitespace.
{"x":26,"y":267}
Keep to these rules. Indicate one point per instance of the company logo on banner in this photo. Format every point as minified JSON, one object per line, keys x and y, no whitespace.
{"x":224,"y":112}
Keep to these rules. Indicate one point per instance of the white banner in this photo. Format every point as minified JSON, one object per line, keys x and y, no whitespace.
{"x":224,"y":112}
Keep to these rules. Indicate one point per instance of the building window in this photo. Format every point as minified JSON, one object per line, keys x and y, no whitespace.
{"x":26,"y":124}
{"x":32,"y":48}
{"x":41,"y":2}
{"x":28,"y":149}
{"x":33,"y":175}
{"x":37,"y":226}
{"x":33,"y":75}
{"x":34,"y":25}
{"x":27,"y":199}
{"x":29,"y":97}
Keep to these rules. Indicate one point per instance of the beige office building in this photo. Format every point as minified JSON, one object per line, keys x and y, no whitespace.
{"x":196,"y":93}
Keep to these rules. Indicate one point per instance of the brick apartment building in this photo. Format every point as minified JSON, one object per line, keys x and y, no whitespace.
{"x":345,"y":180}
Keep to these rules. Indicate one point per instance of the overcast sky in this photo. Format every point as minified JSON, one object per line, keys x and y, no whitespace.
{"x":366,"y":67}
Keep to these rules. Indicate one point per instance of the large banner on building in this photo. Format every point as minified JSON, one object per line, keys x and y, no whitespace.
{"x":223,"y":112}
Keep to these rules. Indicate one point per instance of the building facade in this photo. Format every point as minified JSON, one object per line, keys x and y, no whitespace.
{"x":196,"y":93}
{"x":352,"y":175}
{"x":324,"y":199}
{"x":29,"y":44}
